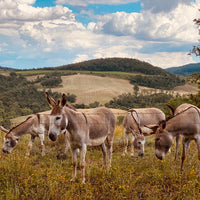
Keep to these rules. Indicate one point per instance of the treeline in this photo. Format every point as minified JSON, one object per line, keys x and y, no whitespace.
{"x":115,"y":64}
{"x":49,"y":80}
{"x":160,"y":82}
{"x":20,"y":97}
{"x":127,"y":101}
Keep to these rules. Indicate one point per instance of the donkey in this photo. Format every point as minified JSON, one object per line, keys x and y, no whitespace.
{"x":185,"y":123}
{"x":36,"y":125}
{"x":179,"y":109}
{"x":85,"y":129}
{"x":135,"y":122}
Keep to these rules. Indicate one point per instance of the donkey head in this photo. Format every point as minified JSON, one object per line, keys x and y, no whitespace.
{"x":10,"y":141}
{"x":163,"y":140}
{"x":139,"y":144}
{"x":57,"y":119}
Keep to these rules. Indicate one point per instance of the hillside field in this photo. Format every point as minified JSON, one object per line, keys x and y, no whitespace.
{"x":89,"y":88}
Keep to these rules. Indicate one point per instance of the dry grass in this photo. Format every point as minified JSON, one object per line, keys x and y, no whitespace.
{"x":48,"y":178}
{"x":89,"y":88}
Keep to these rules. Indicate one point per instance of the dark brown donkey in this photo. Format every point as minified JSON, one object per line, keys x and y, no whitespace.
{"x":85,"y":129}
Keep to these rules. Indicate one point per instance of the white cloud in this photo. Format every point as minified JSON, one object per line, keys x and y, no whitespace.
{"x":30,"y":32}
{"x":176,"y":25}
{"x":166,"y":59}
{"x":80,"y":58}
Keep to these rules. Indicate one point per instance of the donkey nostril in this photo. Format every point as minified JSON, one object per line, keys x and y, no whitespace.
{"x":52,"y":137}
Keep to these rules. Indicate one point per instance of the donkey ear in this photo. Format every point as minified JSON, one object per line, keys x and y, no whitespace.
{"x":153,"y":128}
{"x":50,"y":100}
{"x":63,"y":100}
{"x":171,"y":108}
{"x":162,"y":124}
{"x":4,"y":129}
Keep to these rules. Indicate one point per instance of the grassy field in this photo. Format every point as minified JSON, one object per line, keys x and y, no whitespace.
{"x":135,"y":177}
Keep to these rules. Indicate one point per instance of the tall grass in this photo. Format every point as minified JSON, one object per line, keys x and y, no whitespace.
{"x":135,"y":177}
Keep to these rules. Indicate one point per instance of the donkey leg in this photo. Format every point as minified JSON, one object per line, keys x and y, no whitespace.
{"x":30,"y":145}
{"x":198,"y":146}
{"x":132,"y":147}
{"x":67,"y":144}
{"x":41,"y":136}
{"x":82,"y":161}
{"x":176,"y":148}
{"x":186,"y":145}
{"x":109,"y":149}
{"x":103,"y":149}
{"x":125,"y":143}
{"x":74,"y":163}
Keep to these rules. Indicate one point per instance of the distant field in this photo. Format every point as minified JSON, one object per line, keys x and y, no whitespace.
{"x":89,"y":88}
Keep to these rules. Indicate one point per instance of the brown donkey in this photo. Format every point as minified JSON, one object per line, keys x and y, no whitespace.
{"x":185,"y":123}
{"x":135,"y":122}
{"x":85,"y":129}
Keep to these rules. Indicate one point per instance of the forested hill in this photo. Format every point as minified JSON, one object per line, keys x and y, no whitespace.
{"x":7,"y":68}
{"x":116,"y":64}
{"x":185,"y":70}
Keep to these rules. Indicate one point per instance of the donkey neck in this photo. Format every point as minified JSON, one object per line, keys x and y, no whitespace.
{"x":23,"y":127}
{"x":76,"y":120}
{"x":177,"y":125}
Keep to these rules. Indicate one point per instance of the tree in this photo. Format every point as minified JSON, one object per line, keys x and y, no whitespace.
{"x":196,"y":49}
{"x":136,"y":89}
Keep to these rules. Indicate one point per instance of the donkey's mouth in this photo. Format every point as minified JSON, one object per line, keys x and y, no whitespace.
{"x":52,"y":137}
{"x":5,"y":151}
{"x":159,"y":157}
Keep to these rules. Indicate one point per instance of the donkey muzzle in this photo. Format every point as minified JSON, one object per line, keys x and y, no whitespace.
{"x":159,"y":157}
{"x":5,"y":151}
{"x":141,"y":154}
{"x":53,"y":137}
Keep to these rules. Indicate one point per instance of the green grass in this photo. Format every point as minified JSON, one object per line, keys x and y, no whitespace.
{"x":47,"y":177}
{"x":65,"y":72}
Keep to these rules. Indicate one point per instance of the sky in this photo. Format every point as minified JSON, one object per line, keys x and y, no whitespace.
{"x":50,"y":33}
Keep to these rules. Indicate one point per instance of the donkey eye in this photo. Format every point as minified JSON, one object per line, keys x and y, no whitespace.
{"x":157,"y":139}
{"x":139,"y":142}
{"x":57,"y":118}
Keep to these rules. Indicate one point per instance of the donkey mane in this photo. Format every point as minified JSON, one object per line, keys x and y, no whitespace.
{"x":20,"y":123}
{"x":131,"y":111}
{"x":185,"y":111}
{"x":70,"y":106}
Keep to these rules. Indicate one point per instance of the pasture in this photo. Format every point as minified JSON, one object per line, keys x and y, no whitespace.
{"x":48,"y":177}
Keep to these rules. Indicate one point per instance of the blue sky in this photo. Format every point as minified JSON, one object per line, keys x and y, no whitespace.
{"x":48,"y":33}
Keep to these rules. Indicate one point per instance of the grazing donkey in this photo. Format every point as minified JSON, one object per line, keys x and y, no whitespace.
{"x":185,"y":123}
{"x":179,"y":109}
{"x":85,"y":129}
{"x":36,"y":125}
{"x":135,"y":122}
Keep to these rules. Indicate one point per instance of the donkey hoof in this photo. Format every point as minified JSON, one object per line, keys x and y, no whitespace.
{"x":73,"y":180}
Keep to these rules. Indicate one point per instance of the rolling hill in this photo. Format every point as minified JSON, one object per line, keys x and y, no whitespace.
{"x":115,"y":64}
{"x":185,"y":70}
